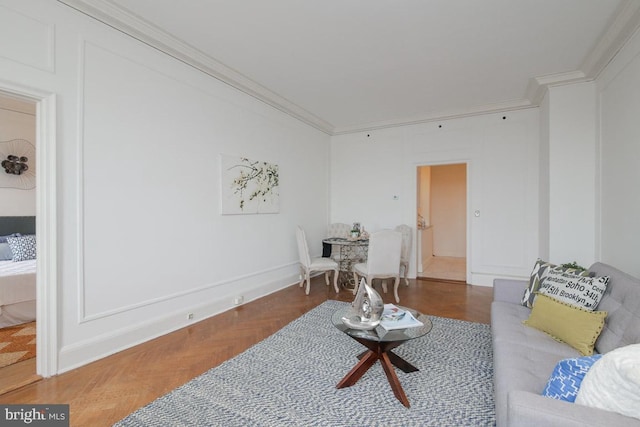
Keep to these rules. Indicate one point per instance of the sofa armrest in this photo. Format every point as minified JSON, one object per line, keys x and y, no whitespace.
{"x":532,"y":410}
{"x":509,"y":290}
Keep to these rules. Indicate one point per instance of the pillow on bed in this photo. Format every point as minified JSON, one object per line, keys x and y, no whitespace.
{"x":3,"y":239}
{"x":5,"y":252}
{"x":23,"y":247}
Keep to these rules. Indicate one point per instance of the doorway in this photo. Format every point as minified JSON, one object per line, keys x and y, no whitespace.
{"x":442,"y":222}
{"x":18,"y":187}
{"x":46,"y":226}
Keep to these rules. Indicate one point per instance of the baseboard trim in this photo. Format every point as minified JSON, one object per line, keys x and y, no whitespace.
{"x":98,"y":347}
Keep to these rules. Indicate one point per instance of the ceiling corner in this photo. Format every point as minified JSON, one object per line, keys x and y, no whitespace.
{"x":624,"y":25}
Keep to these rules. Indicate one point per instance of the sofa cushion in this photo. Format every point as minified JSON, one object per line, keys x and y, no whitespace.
{"x":540,"y":270}
{"x":613,"y":383}
{"x":507,"y":326}
{"x":526,"y":409}
{"x":567,"y":376}
{"x":566,"y":323}
{"x":517,"y":367}
{"x":621,"y":301}
{"x":523,"y":357}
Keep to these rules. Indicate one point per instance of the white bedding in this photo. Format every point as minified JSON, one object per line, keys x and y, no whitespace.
{"x":17,"y":282}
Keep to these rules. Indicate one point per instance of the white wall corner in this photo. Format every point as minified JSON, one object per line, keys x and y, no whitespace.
{"x":572,"y":135}
{"x":625,"y":23}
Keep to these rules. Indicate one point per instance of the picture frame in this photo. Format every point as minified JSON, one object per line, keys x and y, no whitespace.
{"x":248,"y":186}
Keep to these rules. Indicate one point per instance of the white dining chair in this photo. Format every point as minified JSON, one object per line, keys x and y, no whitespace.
{"x":383,"y":260}
{"x":338,"y":229}
{"x":405,"y":254}
{"x":309,"y":265}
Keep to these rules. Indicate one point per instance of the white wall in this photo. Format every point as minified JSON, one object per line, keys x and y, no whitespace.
{"x":449,"y":210}
{"x":17,"y":121}
{"x":619,"y":172}
{"x":141,"y":242}
{"x":543,"y":190}
{"x":369,"y":168}
{"x":571,"y":180}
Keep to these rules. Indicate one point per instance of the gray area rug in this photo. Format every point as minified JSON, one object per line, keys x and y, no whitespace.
{"x":289,"y":379}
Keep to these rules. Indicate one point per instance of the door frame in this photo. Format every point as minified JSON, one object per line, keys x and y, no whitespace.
{"x":468,"y":164}
{"x":46,"y":224}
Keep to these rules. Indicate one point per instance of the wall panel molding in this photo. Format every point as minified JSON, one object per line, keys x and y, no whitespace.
{"x":153,"y":36}
{"x":36,"y":40}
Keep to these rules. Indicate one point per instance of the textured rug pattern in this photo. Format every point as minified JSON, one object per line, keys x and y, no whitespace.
{"x":289,"y":379}
{"x":17,"y":343}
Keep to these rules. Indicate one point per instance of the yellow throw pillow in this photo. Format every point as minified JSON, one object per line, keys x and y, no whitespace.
{"x":566,"y":323}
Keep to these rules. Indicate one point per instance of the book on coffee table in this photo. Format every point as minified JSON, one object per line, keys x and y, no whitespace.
{"x":394,"y":317}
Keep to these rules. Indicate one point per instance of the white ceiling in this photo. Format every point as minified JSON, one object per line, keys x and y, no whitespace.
{"x":347,"y":65}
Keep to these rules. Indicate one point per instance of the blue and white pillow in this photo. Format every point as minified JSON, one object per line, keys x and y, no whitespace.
{"x":3,"y":239}
{"x":5,"y":252}
{"x":23,"y":247}
{"x":567,"y":376}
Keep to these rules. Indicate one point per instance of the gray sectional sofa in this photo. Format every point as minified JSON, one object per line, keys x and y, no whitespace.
{"x":524,"y":357}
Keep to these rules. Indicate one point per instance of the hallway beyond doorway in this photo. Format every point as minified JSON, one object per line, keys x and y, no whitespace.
{"x":444,"y":268}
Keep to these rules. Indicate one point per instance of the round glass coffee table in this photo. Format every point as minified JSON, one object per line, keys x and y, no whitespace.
{"x":379,"y":343}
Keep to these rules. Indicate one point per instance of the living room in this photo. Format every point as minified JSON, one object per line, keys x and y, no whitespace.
{"x":131,"y":233}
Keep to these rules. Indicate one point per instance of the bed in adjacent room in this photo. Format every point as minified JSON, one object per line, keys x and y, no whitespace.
{"x":17,"y":270}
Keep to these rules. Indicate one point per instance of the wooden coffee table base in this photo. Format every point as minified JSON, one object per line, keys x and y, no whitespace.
{"x":380,"y":351}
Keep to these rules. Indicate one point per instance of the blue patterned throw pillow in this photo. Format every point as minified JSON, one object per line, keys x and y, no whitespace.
{"x":23,"y":247}
{"x":567,"y":376}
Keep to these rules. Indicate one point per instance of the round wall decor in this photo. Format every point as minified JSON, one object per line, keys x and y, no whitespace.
{"x":18,"y":161}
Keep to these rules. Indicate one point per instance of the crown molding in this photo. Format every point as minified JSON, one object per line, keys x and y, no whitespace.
{"x":624,"y":24}
{"x":538,"y":85}
{"x":136,"y":27}
{"x":512,"y":105}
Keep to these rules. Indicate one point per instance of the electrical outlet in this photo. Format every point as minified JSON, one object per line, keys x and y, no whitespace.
{"x":238,"y":300}
{"x":190,"y":316}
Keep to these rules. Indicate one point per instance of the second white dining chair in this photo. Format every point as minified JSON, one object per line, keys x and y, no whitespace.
{"x":309,"y":265}
{"x":405,"y":254}
{"x":383,"y":260}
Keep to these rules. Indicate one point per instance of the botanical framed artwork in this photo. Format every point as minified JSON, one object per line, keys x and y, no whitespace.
{"x":248,"y":186}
